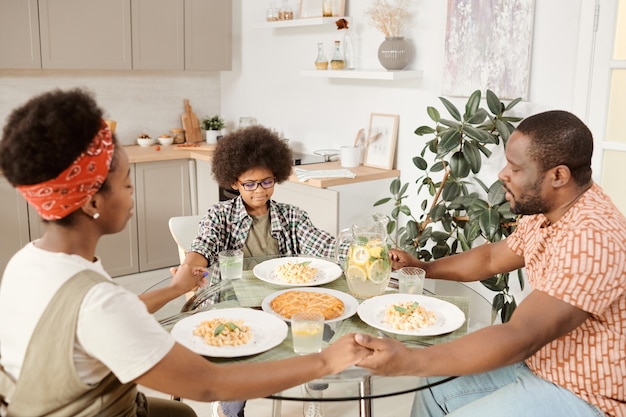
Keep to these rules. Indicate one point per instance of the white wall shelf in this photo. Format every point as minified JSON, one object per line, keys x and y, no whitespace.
{"x":373,"y":74}
{"x":309,"y":21}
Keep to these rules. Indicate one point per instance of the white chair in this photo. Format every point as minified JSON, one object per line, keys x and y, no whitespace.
{"x":184,"y":229}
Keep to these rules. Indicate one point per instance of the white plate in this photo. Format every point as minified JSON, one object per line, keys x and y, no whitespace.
{"x":350,"y":303}
{"x":449,"y":316}
{"x":267,"y":332}
{"x":326,"y":271}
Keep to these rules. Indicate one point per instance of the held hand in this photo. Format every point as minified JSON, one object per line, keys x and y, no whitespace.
{"x":387,"y":355}
{"x":188,"y":277}
{"x":344,"y":353}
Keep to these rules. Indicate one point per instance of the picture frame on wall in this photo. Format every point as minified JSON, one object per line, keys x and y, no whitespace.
{"x":382,"y":137}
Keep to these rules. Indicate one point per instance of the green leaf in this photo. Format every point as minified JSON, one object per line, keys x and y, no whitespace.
{"x":520,"y":279}
{"x":472,"y":104}
{"x":482,"y":184}
{"x":405,"y":210}
{"x":451,"y":123}
{"x":478,"y":118}
{"x":507,"y":310}
{"x":424,"y":130}
{"x":503,"y":130}
{"x":454,"y":112}
{"x":490,"y":224}
{"x":403,"y":189}
{"x":464,"y":244}
{"x":394,"y":187}
{"x":440,"y":237}
{"x":512,"y":104}
{"x":382,"y":201}
{"x":451,"y":191}
{"x":433,"y":113}
{"x":420,"y":163}
{"x":305,"y":263}
{"x":494,"y":284}
{"x":472,"y":156}
{"x":496,"y":193}
{"x":440,"y":250}
{"x":411,"y":229}
{"x":459,"y":167}
{"x":449,"y":141}
{"x":437,"y":212}
{"x":479,"y":134}
{"x":493,"y":102}
{"x":439,"y":166}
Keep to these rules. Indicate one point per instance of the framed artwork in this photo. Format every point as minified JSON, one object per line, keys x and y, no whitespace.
{"x":310,"y":8}
{"x":488,"y":46}
{"x":382,"y":136}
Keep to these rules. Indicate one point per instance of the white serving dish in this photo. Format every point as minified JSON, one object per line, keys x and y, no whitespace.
{"x":144,"y":142}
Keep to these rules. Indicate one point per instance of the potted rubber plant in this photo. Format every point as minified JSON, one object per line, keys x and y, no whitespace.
{"x":457,"y":208}
{"x":213,"y":128}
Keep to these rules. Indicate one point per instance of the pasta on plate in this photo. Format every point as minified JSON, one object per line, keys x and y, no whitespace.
{"x":295,"y":273}
{"x":223,"y":332}
{"x":409,"y":315}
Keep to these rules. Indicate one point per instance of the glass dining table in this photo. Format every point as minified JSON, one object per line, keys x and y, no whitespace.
{"x":353,"y":384}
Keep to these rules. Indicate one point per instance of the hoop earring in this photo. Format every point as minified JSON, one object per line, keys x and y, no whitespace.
{"x":96,"y":215}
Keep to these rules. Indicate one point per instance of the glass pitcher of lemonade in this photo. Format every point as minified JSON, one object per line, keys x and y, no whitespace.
{"x":366,"y":264}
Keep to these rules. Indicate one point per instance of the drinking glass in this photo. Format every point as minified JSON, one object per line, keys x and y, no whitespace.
{"x":307,"y":329}
{"x":231,"y":264}
{"x":411,"y":280}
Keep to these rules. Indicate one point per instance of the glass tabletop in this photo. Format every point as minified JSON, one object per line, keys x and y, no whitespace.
{"x":353,"y":383}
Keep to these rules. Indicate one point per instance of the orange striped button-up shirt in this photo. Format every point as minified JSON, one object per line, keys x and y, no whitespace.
{"x":581,"y":259}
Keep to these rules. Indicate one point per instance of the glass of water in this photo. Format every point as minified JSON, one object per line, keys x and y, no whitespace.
{"x":411,"y":280}
{"x":307,"y":330}
{"x":231,"y":263}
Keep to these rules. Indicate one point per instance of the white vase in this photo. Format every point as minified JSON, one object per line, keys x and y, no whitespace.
{"x":211,"y":136}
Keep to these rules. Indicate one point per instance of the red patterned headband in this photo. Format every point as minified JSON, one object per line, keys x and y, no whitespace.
{"x":56,"y":198}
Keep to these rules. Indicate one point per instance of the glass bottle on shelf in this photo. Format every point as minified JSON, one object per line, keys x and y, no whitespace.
{"x":348,"y":49}
{"x":327,"y":8}
{"x":321,"y":63}
{"x":271,"y":14}
{"x":337,"y":62}
{"x":286,"y":11}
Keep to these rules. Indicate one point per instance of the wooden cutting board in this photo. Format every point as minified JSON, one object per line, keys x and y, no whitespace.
{"x":193,"y":134}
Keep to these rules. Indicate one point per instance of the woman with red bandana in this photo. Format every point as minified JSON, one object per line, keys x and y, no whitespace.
{"x":72,"y":342}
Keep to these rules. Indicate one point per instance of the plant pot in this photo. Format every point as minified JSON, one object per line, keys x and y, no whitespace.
{"x":211,"y":136}
{"x":393,"y":53}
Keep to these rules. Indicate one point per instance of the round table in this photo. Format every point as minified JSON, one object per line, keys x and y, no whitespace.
{"x":353,"y":384}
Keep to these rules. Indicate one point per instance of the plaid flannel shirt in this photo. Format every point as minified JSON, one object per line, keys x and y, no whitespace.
{"x":227,"y":224}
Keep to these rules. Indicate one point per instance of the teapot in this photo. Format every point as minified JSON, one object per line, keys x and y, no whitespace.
{"x":367,"y":266}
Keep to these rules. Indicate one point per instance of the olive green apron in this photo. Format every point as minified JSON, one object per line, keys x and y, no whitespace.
{"x":49,"y":384}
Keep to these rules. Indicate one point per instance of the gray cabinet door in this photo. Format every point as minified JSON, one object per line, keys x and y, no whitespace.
{"x":208,"y":35}
{"x":85,"y":34}
{"x":162,"y":190}
{"x":13,"y":222}
{"x":19,"y":34}
{"x":158,"y":34}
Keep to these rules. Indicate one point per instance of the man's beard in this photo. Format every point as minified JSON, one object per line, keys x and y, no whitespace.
{"x":529,"y":203}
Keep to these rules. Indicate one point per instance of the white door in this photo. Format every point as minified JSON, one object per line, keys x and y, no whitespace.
{"x":607,"y":98}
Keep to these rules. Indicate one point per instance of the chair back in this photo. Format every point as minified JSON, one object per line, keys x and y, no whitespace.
{"x":184,"y":229}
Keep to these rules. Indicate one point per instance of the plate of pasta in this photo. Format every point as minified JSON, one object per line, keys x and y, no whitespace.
{"x":230,"y":332}
{"x":297,"y":271}
{"x":411,"y":314}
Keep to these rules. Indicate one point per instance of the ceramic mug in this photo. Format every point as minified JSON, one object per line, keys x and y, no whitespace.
{"x":350,"y":156}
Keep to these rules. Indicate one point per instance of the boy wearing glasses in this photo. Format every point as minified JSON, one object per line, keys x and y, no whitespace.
{"x":251,"y":161}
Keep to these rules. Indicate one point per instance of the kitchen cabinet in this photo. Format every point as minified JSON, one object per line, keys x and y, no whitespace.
{"x":13,"y":222}
{"x":207,"y":189}
{"x":19,"y":34}
{"x":208,"y":35}
{"x":337,"y":207}
{"x":85,"y":34}
{"x":175,"y":35}
{"x":162,"y":191}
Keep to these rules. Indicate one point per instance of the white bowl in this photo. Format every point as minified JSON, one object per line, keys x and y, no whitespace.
{"x":144,"y":142}
{"x":165,"y":141}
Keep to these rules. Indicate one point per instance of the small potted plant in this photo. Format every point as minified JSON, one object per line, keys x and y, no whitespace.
{"x":213,"y":127}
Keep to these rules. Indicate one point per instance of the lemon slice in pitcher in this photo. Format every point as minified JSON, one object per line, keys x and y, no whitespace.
{"x":377,"y":272}
{"x":356,"y":273}
{"x":360,"y":255}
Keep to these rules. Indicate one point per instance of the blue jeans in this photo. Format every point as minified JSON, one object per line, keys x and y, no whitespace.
{"x":512,"y":391}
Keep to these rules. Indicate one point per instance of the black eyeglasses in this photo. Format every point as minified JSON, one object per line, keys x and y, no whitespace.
{"x":253,"y":185}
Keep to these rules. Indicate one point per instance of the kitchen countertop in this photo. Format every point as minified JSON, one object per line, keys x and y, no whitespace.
{"x":204,"y":152}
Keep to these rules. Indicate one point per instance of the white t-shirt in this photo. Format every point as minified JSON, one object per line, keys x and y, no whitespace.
{"x":115,"y":332}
